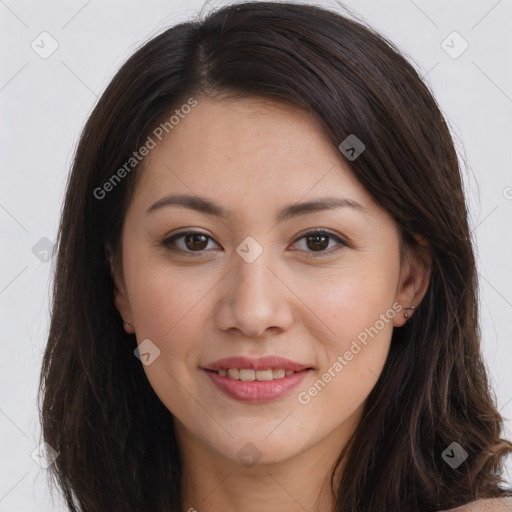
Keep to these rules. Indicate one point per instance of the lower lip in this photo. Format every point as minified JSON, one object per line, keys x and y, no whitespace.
{"x":257,"y":391}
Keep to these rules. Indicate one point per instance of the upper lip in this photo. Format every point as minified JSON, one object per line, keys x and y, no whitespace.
{"x":261,"y":363}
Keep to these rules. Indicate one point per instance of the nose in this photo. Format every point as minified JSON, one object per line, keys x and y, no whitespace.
{"x":254,"y":299}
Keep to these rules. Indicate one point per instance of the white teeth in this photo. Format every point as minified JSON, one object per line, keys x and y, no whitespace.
{"x":278,"y":373}
{"x":264,"y":375}
{"x":248,"y":374}
{"x":233,"y":373}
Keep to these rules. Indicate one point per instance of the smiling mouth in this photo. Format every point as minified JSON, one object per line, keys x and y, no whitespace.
{"x":256,"y":386}
{"x":256,"y":380}
{"x":248,"y":374}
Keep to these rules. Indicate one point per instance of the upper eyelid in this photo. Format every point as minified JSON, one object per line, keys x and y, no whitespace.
{"x":175,"y":236}
{"x":188,"y":232}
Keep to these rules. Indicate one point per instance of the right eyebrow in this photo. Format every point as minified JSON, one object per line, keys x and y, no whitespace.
{"x":209,"y":207}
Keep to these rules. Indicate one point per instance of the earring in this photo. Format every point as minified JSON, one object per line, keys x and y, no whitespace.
{"x":406,"y":315}
{"x":126,"y":324}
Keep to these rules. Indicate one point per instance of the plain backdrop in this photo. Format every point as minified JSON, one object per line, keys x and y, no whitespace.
{"x":45,"y":100}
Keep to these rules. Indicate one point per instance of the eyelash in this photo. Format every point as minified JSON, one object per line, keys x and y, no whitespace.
{"x":168,"y":243}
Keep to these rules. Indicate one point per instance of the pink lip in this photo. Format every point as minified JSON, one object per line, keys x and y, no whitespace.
{"x":257,"y":391}
{"x":262,"y":363}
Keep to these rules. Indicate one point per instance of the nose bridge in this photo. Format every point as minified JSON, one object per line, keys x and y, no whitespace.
{"x":253,"y":283}
{"x":255,"y":299}
{"x":253,"y":276}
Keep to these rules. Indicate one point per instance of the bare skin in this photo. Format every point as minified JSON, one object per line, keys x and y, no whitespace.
{"x":488,"y":505}
{"x":296,"y":300}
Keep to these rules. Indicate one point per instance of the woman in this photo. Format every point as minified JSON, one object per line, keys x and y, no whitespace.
{"x":265,"y":292}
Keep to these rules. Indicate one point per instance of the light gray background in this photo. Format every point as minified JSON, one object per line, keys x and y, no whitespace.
{"x":45,"y":102}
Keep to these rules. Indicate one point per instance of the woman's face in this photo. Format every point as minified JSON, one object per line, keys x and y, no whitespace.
{"x":259,"y":282}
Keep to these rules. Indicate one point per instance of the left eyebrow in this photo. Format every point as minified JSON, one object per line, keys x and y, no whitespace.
{"x":320,"y":204}
{"x":209,"y":207}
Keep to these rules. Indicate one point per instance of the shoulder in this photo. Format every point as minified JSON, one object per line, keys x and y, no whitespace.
{"x":488,"y":505}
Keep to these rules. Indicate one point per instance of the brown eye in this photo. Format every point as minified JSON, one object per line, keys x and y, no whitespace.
{"x":195,"y":241}
{"x":319,"y":242}
{"x":192,"y":241}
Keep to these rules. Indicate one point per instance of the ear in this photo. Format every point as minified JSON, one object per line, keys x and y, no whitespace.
{"x":121,"y":301}
{"x":414,"y":279}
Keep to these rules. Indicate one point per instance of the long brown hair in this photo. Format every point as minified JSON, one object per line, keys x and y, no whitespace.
{"x":115,"y":439}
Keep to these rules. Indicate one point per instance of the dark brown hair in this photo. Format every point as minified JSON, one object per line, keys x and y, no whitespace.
{"x":115,"y":439}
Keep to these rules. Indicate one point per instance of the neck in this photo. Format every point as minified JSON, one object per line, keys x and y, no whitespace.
{"x":213,"y":483}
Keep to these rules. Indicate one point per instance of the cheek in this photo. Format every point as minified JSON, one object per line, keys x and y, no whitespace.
{"x":357,"y":317}
{"x":352,"y":360}
{"x":165,"y":302}
{"x":167,"y":309}
{"x":353,"y":302}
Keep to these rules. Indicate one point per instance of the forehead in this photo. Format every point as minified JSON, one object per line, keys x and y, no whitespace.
{"x":252,"y":148}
